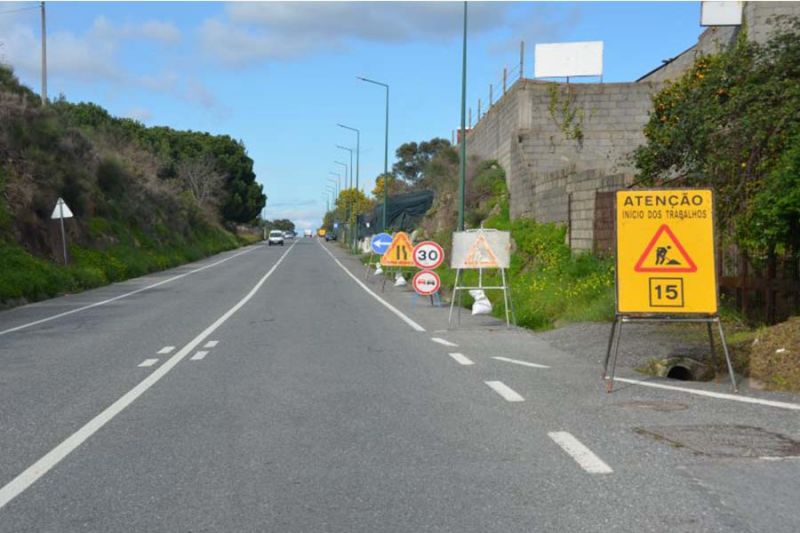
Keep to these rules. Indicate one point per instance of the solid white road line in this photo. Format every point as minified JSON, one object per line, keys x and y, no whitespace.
{"x":121,"y":296}
{"x":717,"y":395}
{"x":582,"y":455}
{"x":386,"y":304}
{"x":444,"y":342}
{"x":57,"y":454}
{"x":199,"y":356}
{"x":148,"y":362}
{"x":210,"y":344}
{"x":518,"y":362}
{"x":505,"y":391}
{"x":461,"y":359}
{"x":166,"y":350}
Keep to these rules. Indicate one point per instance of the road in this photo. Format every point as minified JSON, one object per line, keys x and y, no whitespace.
{"x":278,"y":389}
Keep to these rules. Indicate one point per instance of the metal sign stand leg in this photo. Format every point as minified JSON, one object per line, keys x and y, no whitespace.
{"x":612,"y":352}
{"x":369,"y":262}
{"x":453,"y":299}
{"x":505,"y":297}
{"x":727,"y":355}
{"x":610,"y":378}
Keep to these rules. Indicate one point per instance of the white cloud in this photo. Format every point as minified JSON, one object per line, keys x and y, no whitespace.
{"x":155,"y":30}
{"x":278,"y":30}
{"x":141,"y":114}
{"x":302,"y":218}
{"x":92,"y":57}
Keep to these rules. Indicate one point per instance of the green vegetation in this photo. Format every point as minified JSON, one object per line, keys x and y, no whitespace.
{"x":733,"y":123}
{"x":24,"y":277}
{"x":548,"y":282}
{"x":144,"y":199}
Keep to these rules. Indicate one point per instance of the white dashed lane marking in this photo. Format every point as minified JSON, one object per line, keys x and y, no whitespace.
{"x":582,"y":455}
{"x":518,"y":362}
{"x":166,"y":350}
{"x":148,"y":362}
{"x":461,"y":359}
{"x":199,"y":356}
{"x":505,"y":391}
{"x":444,"y":342}
{"x":210,"y":344}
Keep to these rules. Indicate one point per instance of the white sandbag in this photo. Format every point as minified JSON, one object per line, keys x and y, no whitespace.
{"x":378,"y":270}
{"x":399,"y":280}
{"x":482,"y":305}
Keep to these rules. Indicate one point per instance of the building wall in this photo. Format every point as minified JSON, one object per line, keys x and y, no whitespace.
{"x":552,"y":176}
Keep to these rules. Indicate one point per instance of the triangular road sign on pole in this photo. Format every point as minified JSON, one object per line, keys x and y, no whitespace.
{"x":61,"y":210}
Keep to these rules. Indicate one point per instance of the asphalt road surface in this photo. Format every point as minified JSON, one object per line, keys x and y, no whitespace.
{"x":278,"y":389}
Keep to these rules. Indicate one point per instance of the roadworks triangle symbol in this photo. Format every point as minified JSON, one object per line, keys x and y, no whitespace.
{"x":480,"y":255}
{"x":400,"y":252}
{"x":665,"y":253}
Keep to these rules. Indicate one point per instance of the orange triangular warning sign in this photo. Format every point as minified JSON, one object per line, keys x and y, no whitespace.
{"x":665,"y":253}
{"x":400,"y":252}
{"x":480,"y":255}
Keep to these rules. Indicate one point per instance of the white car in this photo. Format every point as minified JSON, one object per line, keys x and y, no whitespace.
{"x":275,"y":237}
{"x":288,"y":235}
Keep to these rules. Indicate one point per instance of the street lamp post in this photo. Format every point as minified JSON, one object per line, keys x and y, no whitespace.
{"x":462,"y":163}
{"x":350,"y":214}
{"x":346,"y":213}
{"x":358,"y":152}
{"x":335,"y":185}
{"x":345,"y":172}
{"x":358,"y":172}
{"x":385,"y":148}
{"x":338,"y":178}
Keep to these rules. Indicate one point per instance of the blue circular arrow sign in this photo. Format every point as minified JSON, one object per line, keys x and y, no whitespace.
{"x":380,"y":243}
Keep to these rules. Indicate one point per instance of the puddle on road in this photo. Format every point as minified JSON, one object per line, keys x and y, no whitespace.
{"x":724,"y":441}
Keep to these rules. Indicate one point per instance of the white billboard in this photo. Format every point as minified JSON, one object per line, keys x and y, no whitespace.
{"x":563,"y":60}
{"x":721,"y":13}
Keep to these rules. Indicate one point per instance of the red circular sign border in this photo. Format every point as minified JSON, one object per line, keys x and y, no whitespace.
{"x":435,"y":275}
{"x":441,"y":254}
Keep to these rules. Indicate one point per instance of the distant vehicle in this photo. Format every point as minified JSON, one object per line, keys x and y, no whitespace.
{"x":288,"y":235}
{"x":275,"y":237}
{"x":321,"y":232}
{"x":308,"y":233}
{"x":330,"y":236}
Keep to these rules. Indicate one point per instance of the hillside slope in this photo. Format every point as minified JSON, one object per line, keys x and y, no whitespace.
{"x":144,"y":199}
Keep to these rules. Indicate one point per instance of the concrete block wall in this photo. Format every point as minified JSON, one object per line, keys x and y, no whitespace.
{"x":526,"y":133}
{"x":552,"y":177}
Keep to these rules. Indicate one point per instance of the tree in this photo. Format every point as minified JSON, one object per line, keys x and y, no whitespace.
{"x":413,"y":157}
{"x":201,"y":178}
{"x":282,"y":224}
{"x":396,"y":186}
{"x":727,"y":124}
{"x":352,"y":202}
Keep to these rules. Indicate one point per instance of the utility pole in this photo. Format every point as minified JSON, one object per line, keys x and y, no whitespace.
{"x":44,"y":57}
{"x":462,"y":163}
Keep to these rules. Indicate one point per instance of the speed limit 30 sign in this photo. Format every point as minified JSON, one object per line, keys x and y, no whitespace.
{"x":428,"y":255}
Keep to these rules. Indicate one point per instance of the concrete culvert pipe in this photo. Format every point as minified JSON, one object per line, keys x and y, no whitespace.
{"x":680,"y":373}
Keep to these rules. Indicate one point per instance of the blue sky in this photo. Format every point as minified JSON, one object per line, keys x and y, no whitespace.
{"x":279,"y":76}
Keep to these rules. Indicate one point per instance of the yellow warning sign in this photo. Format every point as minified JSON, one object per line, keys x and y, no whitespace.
{"x":400,"y":252}
{"x":665,"y":252}
{"x":480,"y":255}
